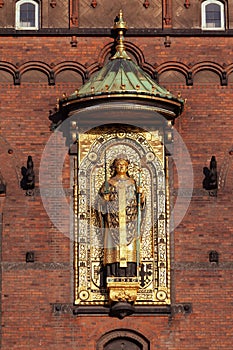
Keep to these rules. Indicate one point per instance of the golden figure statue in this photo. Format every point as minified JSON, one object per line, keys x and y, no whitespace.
{"x":122,"y":204}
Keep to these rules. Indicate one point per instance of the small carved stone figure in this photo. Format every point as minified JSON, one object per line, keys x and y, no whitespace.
{"x":210,"y":182}
{"x":28,"y":180}
{"x":122,"y":203}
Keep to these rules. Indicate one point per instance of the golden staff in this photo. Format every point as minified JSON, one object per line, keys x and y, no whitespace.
{"x":106,"y":185}
{"x":138,"y":219}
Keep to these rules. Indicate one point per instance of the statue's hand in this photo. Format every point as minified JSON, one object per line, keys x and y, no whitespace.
{"x":139,"y":189}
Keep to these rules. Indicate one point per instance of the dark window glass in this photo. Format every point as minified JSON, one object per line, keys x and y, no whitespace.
{"x":213,"y":16}
{"x":27,"y":15}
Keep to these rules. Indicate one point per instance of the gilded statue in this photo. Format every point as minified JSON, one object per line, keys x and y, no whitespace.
{"x":121,"y":209}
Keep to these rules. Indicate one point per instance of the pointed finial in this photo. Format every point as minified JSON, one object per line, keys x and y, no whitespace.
{"x":120,"y":27}
{"x":119,"y":23}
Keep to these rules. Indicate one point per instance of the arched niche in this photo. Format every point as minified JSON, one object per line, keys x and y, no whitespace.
{"x":69,"y":76}
{"x":34,"y":76}
{"x":5,"y":77}
{"x":123,"y":339}
{"x":172,"y":77}
{"x":97,"y":148}
{"x":206,"y":77}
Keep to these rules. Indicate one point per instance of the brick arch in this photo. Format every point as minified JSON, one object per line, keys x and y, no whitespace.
{"x":34,"y":76}
{"x":105,"y":53}
{"x":71,"y":66}
{"x":209,"y":69}
{"x":92,"y":69}
{"x":8,"y":69}
{"x":115,"y":336}
{"x":172,"y":76}
{"x":171,"y":65}
{"x":36,"y":66}
{"x":138,"y":55}
{"x":206,"y":76}
{"x":173,"y":71}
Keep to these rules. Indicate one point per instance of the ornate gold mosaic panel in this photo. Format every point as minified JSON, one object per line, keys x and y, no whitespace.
{"x":97,"y":150}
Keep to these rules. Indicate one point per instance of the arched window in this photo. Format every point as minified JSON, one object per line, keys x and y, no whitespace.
{"x":27,"y":15}
{"x":213,"y":16}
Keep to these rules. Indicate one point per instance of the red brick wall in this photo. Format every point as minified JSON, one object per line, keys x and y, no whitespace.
{"x":206,"y":126}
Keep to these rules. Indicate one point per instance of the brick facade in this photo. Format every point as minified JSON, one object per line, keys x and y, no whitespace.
{"x":29,"y":290}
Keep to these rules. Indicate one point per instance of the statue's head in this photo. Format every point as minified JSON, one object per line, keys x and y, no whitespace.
{"x":120,"y":166}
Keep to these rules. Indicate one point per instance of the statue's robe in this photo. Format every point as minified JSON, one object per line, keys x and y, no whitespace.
{"x":120,"y":222}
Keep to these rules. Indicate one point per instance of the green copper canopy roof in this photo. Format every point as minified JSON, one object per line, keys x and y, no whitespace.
{"x":122,"y":78}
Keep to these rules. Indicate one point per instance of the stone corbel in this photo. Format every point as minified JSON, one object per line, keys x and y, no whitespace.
{"x":146,"y":4}
{"x":51,"y":78}
{"x":167,"y":41}
{"x":189,"y":79}
{"x":53,"y":3}
{"x":16,"y":78}
{"x":224,"y":79}
{"x":74,"y":41}
{"x":187,"y":4}
{"x":94,"y":3}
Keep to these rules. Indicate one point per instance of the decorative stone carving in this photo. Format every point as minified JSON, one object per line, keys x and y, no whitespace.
{"x":186,"y":4}
{"x":123,"y":291}
{"x":53,"y":3}
{"x":94,"y":3}
{"x":146,"y":4}
{"x":210,"y":182}
{"x":28,"y":180}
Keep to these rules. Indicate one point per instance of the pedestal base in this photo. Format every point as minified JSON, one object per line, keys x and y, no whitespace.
{"x":120,"y":291}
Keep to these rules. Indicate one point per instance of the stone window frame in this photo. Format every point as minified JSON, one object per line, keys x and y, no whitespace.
{"x":204,"y":11}
{"x":18,"y":25}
